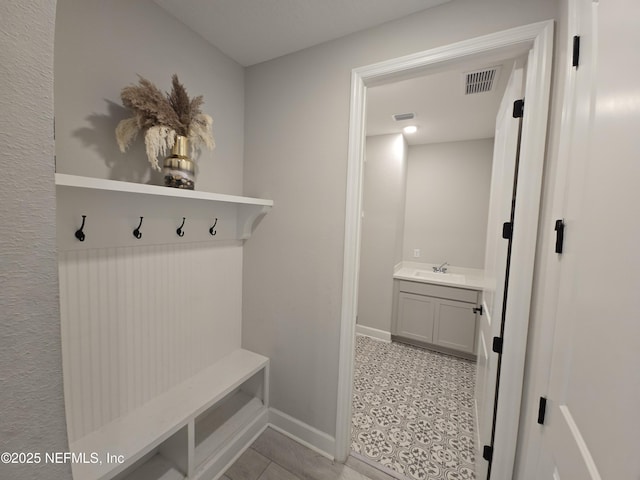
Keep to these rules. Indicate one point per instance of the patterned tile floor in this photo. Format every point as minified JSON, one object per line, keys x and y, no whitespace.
{"x":412,"y":411}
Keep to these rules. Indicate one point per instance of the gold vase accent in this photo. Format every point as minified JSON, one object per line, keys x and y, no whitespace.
{"x":178,"y":168}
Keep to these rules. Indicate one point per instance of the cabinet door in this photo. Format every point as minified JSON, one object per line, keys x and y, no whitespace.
{"x":415,"y":316}
{"x":455,"y":325}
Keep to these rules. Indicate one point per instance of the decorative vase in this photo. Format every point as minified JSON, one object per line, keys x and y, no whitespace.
{"x":179,"y":169}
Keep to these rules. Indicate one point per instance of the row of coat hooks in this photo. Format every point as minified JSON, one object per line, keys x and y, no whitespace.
{"x":138,"y":234}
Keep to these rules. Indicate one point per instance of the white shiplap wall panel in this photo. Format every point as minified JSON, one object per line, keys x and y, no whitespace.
{"x":138,"y":320}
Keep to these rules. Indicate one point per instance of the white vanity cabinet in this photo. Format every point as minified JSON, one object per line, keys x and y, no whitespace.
{"x":435,"y":316}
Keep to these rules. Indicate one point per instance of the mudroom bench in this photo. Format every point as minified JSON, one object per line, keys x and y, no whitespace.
{"x":191,"y":431}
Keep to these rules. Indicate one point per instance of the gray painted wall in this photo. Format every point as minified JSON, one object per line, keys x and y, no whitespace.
{"x":296,"y":139}
{"x":447,"y":205}
{"x":385,"y":176}
{"x":31,"y":396}
{"x":101,"y":47}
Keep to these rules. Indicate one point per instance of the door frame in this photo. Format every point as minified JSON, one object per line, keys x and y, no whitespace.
{"x":536,"y":38}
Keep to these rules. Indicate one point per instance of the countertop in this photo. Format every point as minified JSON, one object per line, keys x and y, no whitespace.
{"x":460,"y":277}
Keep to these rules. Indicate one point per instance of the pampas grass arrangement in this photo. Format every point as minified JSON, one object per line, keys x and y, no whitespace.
{"x":163,"y":117}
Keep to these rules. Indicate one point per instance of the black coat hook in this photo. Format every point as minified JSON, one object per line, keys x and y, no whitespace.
{"x":212,"y":229}
{"x":79,"y":232}
{"x":137,"y":233}
{"x":179,"y":231}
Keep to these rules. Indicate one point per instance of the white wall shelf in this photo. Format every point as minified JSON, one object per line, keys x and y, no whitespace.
{"x":233,"y":392}
{"x":113,"y":210}
{"x":65,"y":180}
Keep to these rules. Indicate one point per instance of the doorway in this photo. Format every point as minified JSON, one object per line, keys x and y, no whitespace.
{"x":425,"y":202}
{"x":535,"y":39}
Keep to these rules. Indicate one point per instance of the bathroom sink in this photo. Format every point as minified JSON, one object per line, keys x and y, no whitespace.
{"x":440,"y":277}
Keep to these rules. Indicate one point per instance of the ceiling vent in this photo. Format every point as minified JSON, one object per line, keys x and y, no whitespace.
{"x":481,"y":80}
{"x":398,"y":117}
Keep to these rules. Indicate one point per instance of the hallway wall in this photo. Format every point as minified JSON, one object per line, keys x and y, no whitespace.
{"x":296,"y":139}
{"x":31,"y":396}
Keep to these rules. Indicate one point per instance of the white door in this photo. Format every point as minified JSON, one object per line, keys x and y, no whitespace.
{"x":593,"y":417}
{"x":500,"y":203}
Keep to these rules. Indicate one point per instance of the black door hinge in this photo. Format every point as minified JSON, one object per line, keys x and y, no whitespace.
{"x":479,"y":310}
{"x":507,"y":230}
{"x":518,"y":108}
{"x":559,"y":228}
{"x":497,"y":345}
{"x":487,"y":453}
{"x":542,"y":410}
{"x":576,"y":51}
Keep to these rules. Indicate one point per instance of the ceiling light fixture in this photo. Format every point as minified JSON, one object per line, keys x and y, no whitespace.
{"x":410,"y":129}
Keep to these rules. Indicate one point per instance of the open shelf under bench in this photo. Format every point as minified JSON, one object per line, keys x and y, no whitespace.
{"x":193,"y":426}
{"x":156,"y":467}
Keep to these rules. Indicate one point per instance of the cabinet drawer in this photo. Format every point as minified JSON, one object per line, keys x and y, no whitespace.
{"x":439,"y":291}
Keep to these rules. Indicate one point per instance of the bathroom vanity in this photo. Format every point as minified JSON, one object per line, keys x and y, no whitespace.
{"x":438,"y":311}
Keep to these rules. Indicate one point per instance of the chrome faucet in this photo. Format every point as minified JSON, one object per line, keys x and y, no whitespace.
{"x":442,"y":268}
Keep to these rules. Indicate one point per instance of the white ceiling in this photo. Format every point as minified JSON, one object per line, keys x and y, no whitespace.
{"x":251,"y":31}
{"x":443,"y":112}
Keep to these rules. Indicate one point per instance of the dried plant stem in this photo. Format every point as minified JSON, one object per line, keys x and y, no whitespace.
{"x":126,"y":132}
{"x":158,"y":141}
{"x":201,"y":132}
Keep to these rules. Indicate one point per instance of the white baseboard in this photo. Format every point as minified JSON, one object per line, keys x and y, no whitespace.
{"x":373,"y":333}
{"x":302,"y":433}
{"x":293,"y":428}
